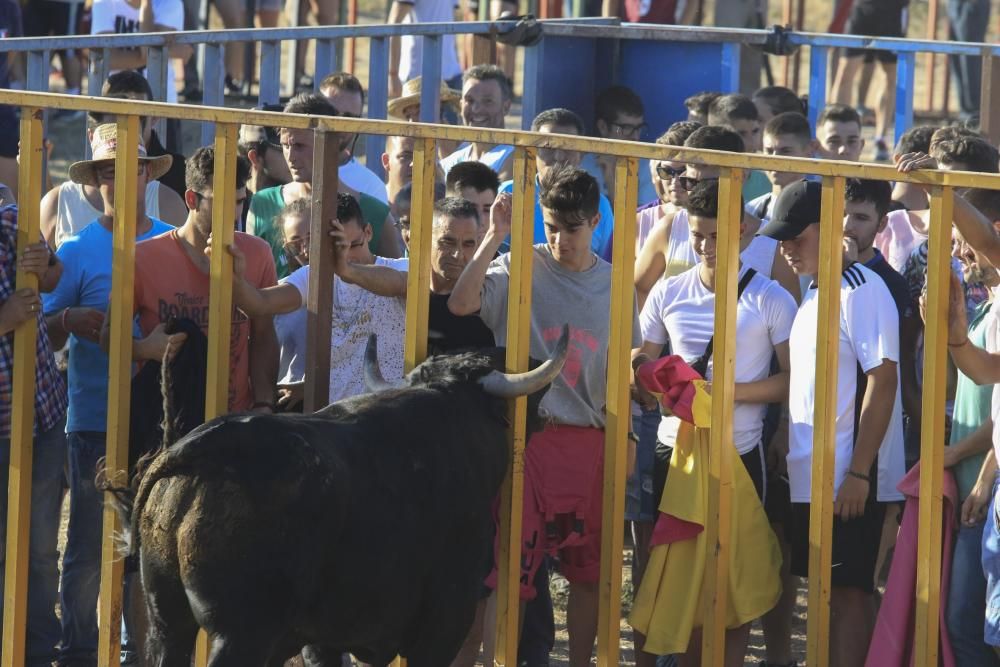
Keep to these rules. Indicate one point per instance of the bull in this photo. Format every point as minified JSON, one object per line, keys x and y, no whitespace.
{"x":364,"y":528}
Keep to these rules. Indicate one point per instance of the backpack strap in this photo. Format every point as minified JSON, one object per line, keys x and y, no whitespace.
{"x":701,"y":364}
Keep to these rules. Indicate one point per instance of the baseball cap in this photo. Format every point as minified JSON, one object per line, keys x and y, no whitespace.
{"x":253,"y":134}
{"x":797,"y":207}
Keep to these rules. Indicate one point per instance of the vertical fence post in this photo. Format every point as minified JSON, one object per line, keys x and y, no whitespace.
{"x":22,"y":418}
{"x":932,"y":428}
{"x":157,"y":71}
{"x":518,"y":338}
{"x":929,"y":57}
{"x":824,"y":420}
{"x":120,"y":380}
{"x":430,"y":79}
{"x":989,"y":114}
{"x":378,"y":100}
{"x":619,"y":415}
{"x":905,"y":72}
{"x":818,"y":63}
{"x":530,"y":83}
{"x":325,"y":61}
{"x":418,"y":290}
{"x":212,"y":81}
{"x":269,"y":88}
{"x":715,"y":593}
{"x":326,"y":184}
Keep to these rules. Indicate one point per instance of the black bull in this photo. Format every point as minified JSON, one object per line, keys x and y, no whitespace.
{"x":363,"y":528}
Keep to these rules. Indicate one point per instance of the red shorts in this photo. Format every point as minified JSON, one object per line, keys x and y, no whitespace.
{"x":563,"y":484}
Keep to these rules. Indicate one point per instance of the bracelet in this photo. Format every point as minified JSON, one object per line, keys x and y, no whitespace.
{"x":62,"y":319}
{"x":962,"y":344}
{"x":867,"y":478}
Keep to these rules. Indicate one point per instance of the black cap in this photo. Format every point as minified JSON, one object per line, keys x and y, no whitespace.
{"x":797,"y":207}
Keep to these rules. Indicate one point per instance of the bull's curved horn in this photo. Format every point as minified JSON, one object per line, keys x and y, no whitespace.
{"x":511,"y":385}
{"x":373,"y":374}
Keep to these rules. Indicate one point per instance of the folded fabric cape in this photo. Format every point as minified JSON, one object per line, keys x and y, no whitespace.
{"x":668,"y":604}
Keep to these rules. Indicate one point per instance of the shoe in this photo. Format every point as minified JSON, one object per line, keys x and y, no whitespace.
{"x":234,"y":86}
{"x":128,"y":658}
{"x":881,"y":151}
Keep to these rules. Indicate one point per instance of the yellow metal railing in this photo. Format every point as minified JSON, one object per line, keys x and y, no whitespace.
{"x":834,"y":175}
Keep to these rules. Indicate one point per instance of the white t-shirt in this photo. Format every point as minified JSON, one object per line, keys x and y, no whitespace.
{"x":359,"y":177}
{"x":869,"y":333}
{"x":358,"y":313}
{"x":993,"y":346}
{"x":290,"y":329}
{"x":681,"y":310}
{"x":119,"y":17}
{"x":410,"y":54}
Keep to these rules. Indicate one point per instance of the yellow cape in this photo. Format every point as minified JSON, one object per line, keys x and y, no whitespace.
{"x":668,"y":603}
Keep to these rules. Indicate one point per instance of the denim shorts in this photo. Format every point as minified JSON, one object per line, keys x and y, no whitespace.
{"x":991,"y":568}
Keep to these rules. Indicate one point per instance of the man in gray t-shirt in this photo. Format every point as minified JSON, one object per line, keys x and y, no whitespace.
{"x":564,"y":463}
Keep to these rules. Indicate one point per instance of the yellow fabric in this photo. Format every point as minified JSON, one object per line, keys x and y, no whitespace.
{"x":668,"y":603}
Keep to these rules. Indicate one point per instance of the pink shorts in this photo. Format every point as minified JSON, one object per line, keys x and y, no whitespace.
{"x":563,"y":483}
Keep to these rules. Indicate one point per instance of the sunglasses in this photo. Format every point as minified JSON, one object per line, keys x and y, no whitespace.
{"x":668,"y":173}
{"x":689,"y":182}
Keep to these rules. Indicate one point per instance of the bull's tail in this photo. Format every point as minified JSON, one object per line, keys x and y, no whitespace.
{"x":126,"y":500}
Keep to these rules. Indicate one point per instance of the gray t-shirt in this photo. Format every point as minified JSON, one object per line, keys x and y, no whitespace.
{"x":582,"y":300}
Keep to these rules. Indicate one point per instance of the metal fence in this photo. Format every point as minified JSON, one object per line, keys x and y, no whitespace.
{"x":628,"y":154}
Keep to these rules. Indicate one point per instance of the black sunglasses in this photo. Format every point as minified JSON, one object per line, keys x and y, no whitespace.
{"x":668,"y":173}
{"x":689,"y":182}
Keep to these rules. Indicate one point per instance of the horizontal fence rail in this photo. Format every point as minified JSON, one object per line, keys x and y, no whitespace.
{"x":834,"y":175}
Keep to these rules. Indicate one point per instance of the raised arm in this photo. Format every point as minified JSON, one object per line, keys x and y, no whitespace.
{"x":977,"y":364}
{"x":466,"y":298}
{"x":381,"y":280}
{"x":651,"y":263}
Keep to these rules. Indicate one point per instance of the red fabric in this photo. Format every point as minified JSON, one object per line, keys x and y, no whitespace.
{"x":670,"y":529}
{"x":840,"y":18}
{"x":563,"y":486}
{"x":671,"y":376}
{"x":892,"y":641}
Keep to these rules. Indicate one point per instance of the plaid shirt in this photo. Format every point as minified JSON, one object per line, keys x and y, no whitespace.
{"x":50,"y":388}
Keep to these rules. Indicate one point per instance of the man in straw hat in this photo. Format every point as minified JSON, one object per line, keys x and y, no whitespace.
{"x":407,"y":106}
{"x":75,"y":310}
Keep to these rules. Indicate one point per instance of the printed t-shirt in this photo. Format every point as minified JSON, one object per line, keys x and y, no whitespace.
{"x":168,"y":284}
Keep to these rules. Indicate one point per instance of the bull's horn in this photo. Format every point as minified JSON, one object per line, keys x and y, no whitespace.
{"x":510,"y":385}
{"x":373,"y":374}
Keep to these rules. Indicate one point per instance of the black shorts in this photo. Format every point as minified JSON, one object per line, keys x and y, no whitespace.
{"x":51,"y":17}
{"x":882,"y":18}
{"x":9,"y":132}
{"x":753,"y":461}
{"x":855,"y":545}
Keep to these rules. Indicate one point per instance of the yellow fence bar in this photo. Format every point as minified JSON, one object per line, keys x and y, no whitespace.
{"x":418,"y":285}
{"x":120,"y":379}
{"x":22,"y":418}
{"x":932,"y":428}
{"x":619,"y":415}
{"x":518,"y":337}
{"x":720,"y":491}
{"x":831,"y":255}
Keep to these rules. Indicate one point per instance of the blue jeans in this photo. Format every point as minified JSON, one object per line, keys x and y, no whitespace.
{"x":640,"y":501}
{"x":968,"y":21}
{"x":49,"y":457}
{"x":81,"y":578}
{"x":966,"y":604}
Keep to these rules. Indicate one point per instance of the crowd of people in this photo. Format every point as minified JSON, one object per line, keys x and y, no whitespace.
{"x":879,"y":376}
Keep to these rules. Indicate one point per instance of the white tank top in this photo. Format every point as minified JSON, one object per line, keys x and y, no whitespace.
{"x":759,"y":253}
{"x":75,"y":212}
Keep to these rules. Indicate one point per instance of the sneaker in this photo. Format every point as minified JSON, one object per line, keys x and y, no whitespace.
{"x":234,"y":86}
{"x":128,"y":658}
{"x":881,"y":151}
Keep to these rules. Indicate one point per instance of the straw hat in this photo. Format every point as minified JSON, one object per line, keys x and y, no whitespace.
{"x":104,"y":147}
{"x":411,"y":96}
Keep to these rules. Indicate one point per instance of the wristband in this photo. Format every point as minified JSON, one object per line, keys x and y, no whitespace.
{"x":62,"y":319}
{"x":858,"y":475}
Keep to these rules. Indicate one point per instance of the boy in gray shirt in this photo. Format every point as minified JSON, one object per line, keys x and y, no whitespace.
{"x":564,"y":463}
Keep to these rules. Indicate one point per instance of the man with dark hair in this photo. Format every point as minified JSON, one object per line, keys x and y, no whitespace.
{"x":564,"y":121}
{"x":182,"y":291}
{"x":697,"y":106}
{"x":357,"y":312}
{"x":774,"y":100}
{"x":963,"y":153}
{"x":879,"y":18}
{"x":668,"y":250}
{"x":347,"y":95}
{"x":476,"y":183}
{"x":619,"y":114}
{"x":739,"y":113}
{"x":486,"y":100}
{"x":397,"y":162}
{"x":261,"y":146}
{"x":869,"y":440}
{"x":785,"y":135}
{"x":917,"y":139}
{"x":566,"y":273}
{"x":75,"y":310}
{"x":401,"y":209}
{"x":838,"y":130}
{"x":297,"y":146}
